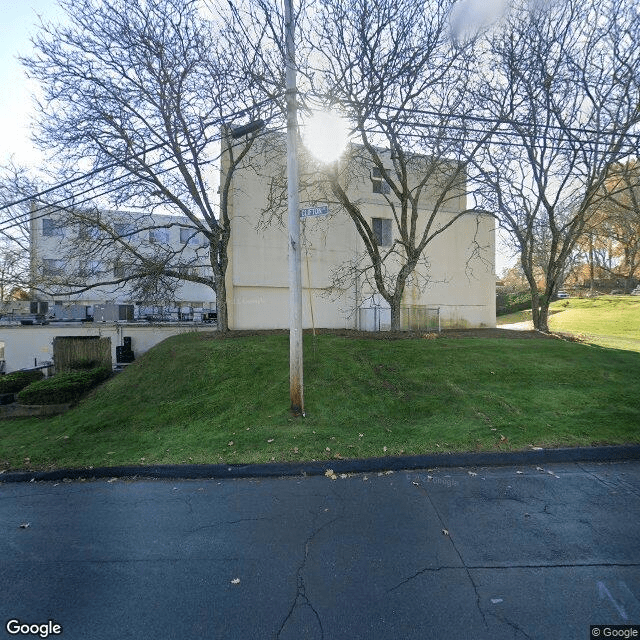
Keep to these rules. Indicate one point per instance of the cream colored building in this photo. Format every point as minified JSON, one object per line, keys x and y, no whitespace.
{"x":459,"y":281}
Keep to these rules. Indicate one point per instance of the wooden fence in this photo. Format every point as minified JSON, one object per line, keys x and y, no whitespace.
{"x":81,"y":352}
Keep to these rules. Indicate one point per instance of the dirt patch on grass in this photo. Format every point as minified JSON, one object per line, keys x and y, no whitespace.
{"x":507,"y":334}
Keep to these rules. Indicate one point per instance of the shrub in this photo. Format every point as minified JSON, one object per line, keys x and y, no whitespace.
{"x":512,"y":302}
{"x":19,"y":380}
{"x":63,"y":387}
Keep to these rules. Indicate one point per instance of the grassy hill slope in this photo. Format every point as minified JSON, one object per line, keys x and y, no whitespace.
{"x":199,"y":398}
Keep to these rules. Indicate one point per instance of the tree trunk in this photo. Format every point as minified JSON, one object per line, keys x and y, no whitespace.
{"x":395,"y":314}
{"x":221,"y":295}
{"x":542,"y":321}
{"x":221,"y":305}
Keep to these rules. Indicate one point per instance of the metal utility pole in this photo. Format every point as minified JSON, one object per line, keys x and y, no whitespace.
{"x":296,"y":388}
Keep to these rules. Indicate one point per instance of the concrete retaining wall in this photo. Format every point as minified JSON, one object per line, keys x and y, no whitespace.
{"x":26,"y":347}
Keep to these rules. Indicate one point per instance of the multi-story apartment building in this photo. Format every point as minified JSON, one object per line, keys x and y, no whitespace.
{"x":85,"y":258}
{"x":91,"y":261}
{"x":456,"y":278}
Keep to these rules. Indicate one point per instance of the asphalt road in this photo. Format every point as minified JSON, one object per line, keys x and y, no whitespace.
{"x":495,"y":552}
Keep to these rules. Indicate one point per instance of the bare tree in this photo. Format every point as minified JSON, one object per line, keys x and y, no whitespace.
{"x":14,"y":232}
{"x":393,"y":70}
{"x":135,"y":95}
{"x":564,"y":80}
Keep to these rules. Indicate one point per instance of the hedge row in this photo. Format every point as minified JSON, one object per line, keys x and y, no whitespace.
{"x":19,"y":380}
{"x":63,"y":387}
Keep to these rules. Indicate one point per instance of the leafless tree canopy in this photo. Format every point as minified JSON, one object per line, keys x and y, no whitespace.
{"x":564,"y":79}
{"x":136,"y":94}
{"x":523,"y":118}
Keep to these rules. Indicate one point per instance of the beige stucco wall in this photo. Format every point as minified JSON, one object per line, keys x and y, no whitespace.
{"x":460,"y":284}
{"x":29,"y":346}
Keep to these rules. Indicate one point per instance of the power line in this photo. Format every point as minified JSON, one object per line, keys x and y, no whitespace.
{"x":115,"y":164}
{"x":495,"y":120}
{"x":71,"y":198}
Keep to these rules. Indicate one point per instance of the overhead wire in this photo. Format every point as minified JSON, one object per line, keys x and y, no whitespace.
{"x":427,"y":127}
{"x":117,"y":163}
{"x":72,"y":198}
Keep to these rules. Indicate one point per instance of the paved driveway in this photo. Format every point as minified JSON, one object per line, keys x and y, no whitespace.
{"x":498,"y":552}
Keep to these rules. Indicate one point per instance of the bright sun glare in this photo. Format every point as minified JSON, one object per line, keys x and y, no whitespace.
{"x":326,"y":135}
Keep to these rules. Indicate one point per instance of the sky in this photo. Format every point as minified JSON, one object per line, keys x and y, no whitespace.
{"x":18,"y":20}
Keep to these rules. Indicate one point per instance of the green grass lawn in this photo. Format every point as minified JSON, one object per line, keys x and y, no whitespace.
{"x":198,"y":398}
{"x":608,"y":321}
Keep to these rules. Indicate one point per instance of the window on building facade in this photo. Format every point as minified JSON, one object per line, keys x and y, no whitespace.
{"x":187,"y":271}
{"x":51,"y":227}
{"x":381,"y":228}
{"x":90,"y":268}
{"x":189,"y":236}
{"x":379,"y":185}
{"x":52,"y":267}
{"x":88,"y":230}
{"x":124,"y":230}
{"x":159,"y":236}
{"x":121,"y":270}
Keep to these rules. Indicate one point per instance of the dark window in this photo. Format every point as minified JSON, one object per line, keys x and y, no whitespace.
{"x":159,"y":235}
{"x":51,"y":228}
{"x":189,"y":236}
{"x":381,"y":228}
{"x":124,"y":229}
{"x":52,"y":267}
{"x":379,"y":185}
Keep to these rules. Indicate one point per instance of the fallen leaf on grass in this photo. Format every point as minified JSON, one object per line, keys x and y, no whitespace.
{"x":270,"y":440}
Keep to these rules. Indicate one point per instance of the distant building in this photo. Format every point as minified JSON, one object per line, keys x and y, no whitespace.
{"x":80,"y":261}
{"x":460,"y":283}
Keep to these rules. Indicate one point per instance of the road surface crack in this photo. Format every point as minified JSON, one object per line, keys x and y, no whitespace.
{"x":301,"y":599}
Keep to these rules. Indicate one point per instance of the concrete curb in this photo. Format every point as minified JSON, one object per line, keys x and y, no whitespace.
{"x":368,"y":465}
